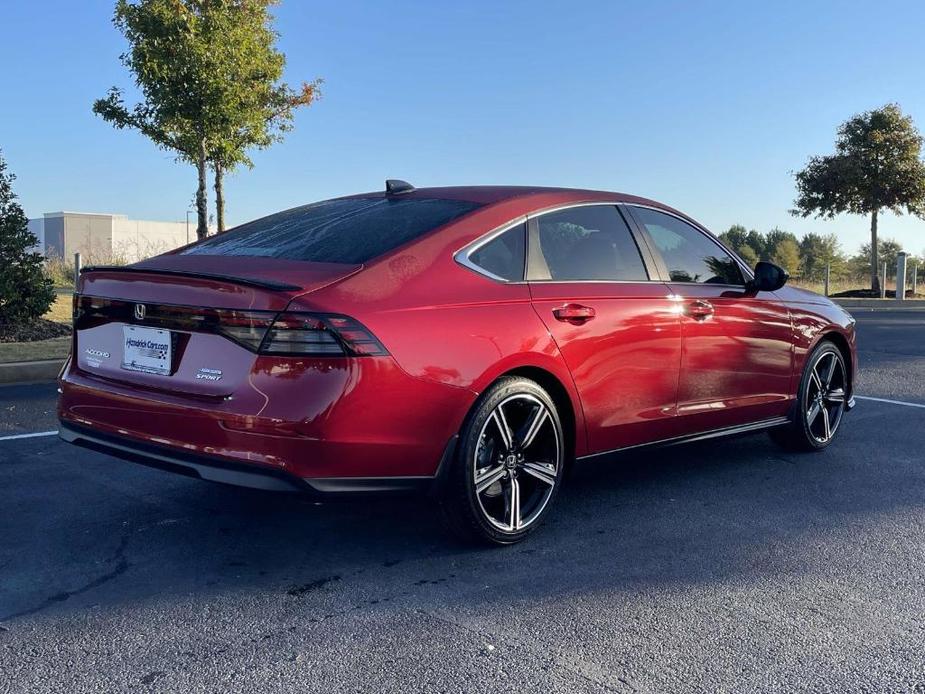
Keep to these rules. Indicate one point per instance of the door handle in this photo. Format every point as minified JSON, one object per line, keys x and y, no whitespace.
{"x":699,"y":309}
{"x":576,"y":314}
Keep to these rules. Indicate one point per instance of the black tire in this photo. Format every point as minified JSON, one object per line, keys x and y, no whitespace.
{"x":519,"y":481}
{"x":820,"y":405}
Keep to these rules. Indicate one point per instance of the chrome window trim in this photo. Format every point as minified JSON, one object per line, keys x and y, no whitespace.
{"x":462,"y":255}
{"x":747,"y":272}
{"x":571,"y":205}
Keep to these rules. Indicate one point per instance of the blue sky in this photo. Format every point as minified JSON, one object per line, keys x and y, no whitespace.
{"x":706,"y":106}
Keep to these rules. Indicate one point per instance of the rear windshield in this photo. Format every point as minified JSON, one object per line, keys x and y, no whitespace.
{"x":336,"y":231}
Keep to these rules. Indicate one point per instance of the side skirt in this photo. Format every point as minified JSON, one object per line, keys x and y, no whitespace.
{"x":702,"y":436}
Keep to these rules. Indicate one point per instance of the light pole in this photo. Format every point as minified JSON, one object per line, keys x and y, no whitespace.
{"x":187,"y":225}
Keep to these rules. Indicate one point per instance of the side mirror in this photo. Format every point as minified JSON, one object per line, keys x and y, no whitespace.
{"x":768,"y":277}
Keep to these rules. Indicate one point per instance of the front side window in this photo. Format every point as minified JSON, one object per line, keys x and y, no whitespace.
{"x":690,"y":255}
{"x":503,"y":256}
{"x":347,"y":230}
{"x":585,"y":243}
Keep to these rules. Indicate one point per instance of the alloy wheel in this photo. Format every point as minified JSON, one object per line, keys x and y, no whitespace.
{"x":517,"y":462}
{"x":824,"y":401}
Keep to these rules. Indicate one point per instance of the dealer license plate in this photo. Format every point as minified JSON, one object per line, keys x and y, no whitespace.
{"x":146,"y":349}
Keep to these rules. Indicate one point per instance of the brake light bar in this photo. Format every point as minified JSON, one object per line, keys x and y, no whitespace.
{"x":264,"y":332}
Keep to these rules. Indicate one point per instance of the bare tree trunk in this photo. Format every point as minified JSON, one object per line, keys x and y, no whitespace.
{"x":874,"y":256}
{"x":202,"y":203}
{"x":219,"y":196}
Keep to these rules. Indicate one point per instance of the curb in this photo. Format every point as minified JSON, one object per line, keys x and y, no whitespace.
{"x":30,"y":371}
{"x":880,"y":304}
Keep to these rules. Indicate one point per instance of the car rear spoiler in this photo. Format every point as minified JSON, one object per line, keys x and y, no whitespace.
{"x":247,"y":281}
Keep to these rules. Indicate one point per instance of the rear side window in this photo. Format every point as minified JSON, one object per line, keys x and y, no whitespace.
{"x":585,"y":243}
{"x":690,"y":255}
{"x":503,"y":256}
{"x":336,"y":231}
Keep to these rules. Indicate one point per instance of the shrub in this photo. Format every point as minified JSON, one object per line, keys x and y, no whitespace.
{"x":25,"y":291}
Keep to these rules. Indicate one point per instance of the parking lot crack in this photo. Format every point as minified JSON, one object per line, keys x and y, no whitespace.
{"x":121,"y":566}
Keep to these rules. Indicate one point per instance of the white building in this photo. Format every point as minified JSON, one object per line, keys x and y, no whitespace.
{"x":104,"y":238}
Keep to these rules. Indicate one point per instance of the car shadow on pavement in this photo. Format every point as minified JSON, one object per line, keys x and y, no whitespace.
{"x":89,"y":532}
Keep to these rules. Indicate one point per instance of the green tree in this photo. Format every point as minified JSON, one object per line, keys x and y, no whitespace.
{"x":750,"y":245}
{"x":747,"y":253}
{"x":859,"y":263}
{"x":774,"y":238}
{"x":253,"y":108}
{"x":877,"y":165}
{"x":887,"y":250}
{"x":25,"y":291}
{"x":738,"y":238}
{"x":818,"y":251}
{"x":755,"y":241}
{"x":786,"y":253}
{"x":209,"y":79}
{"x":734,"y":236}
{"x":164,"y":58}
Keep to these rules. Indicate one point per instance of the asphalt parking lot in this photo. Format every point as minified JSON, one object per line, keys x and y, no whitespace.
{"x":720,"y":567}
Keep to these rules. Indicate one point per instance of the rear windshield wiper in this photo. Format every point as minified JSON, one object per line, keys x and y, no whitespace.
{"x":249,"y":281}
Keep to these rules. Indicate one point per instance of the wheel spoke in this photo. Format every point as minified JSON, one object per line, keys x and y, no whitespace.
{"x":825,"y":424}
{"x":815,"y":379}
{"x":837,"y":395}
{"x":544,"y":472}
{"x":533,"y":428}
{"x":813,"y":412}
{"x":503,"y":428}
{"x":830,"y":372}
{"x":487,"y":477}
{"x":514,"y":505}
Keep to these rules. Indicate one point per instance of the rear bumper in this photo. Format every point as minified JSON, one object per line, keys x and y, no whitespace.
{"x":363,"y":421}
{"x":241,"y":474}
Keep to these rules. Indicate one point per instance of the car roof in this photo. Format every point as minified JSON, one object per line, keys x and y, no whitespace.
{"x":490,"y":194}
{"x":530,"y":196}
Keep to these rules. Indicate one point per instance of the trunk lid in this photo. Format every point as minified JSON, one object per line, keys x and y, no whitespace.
{"x":186,"y":324}
{"x":217,"y":281}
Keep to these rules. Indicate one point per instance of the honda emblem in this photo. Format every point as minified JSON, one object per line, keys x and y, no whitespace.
{"x":139,"y":311}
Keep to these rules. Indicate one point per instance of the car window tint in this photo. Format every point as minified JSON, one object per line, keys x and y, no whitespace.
{"x":350,"y":230}
{"x":588,"y":243}
{"x":503,"y":256}
{"x":690,"y":255}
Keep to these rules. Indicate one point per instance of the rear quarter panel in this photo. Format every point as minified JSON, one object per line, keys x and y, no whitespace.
{"x":446,"y":324}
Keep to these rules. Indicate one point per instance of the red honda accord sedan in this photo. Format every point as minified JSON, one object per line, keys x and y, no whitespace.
{"x":473,"y":342}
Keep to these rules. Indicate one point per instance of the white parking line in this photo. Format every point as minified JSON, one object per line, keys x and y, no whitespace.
{"x":891,"y":402}
{"x":29,"y":436}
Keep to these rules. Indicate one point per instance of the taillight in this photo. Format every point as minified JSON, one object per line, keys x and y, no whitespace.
{"x":265,"y":332}
{"x":248,"y":328}
{"x":306,"y":334}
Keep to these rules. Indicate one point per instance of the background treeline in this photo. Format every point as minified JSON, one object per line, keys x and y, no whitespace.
{"x":806,"y":258}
